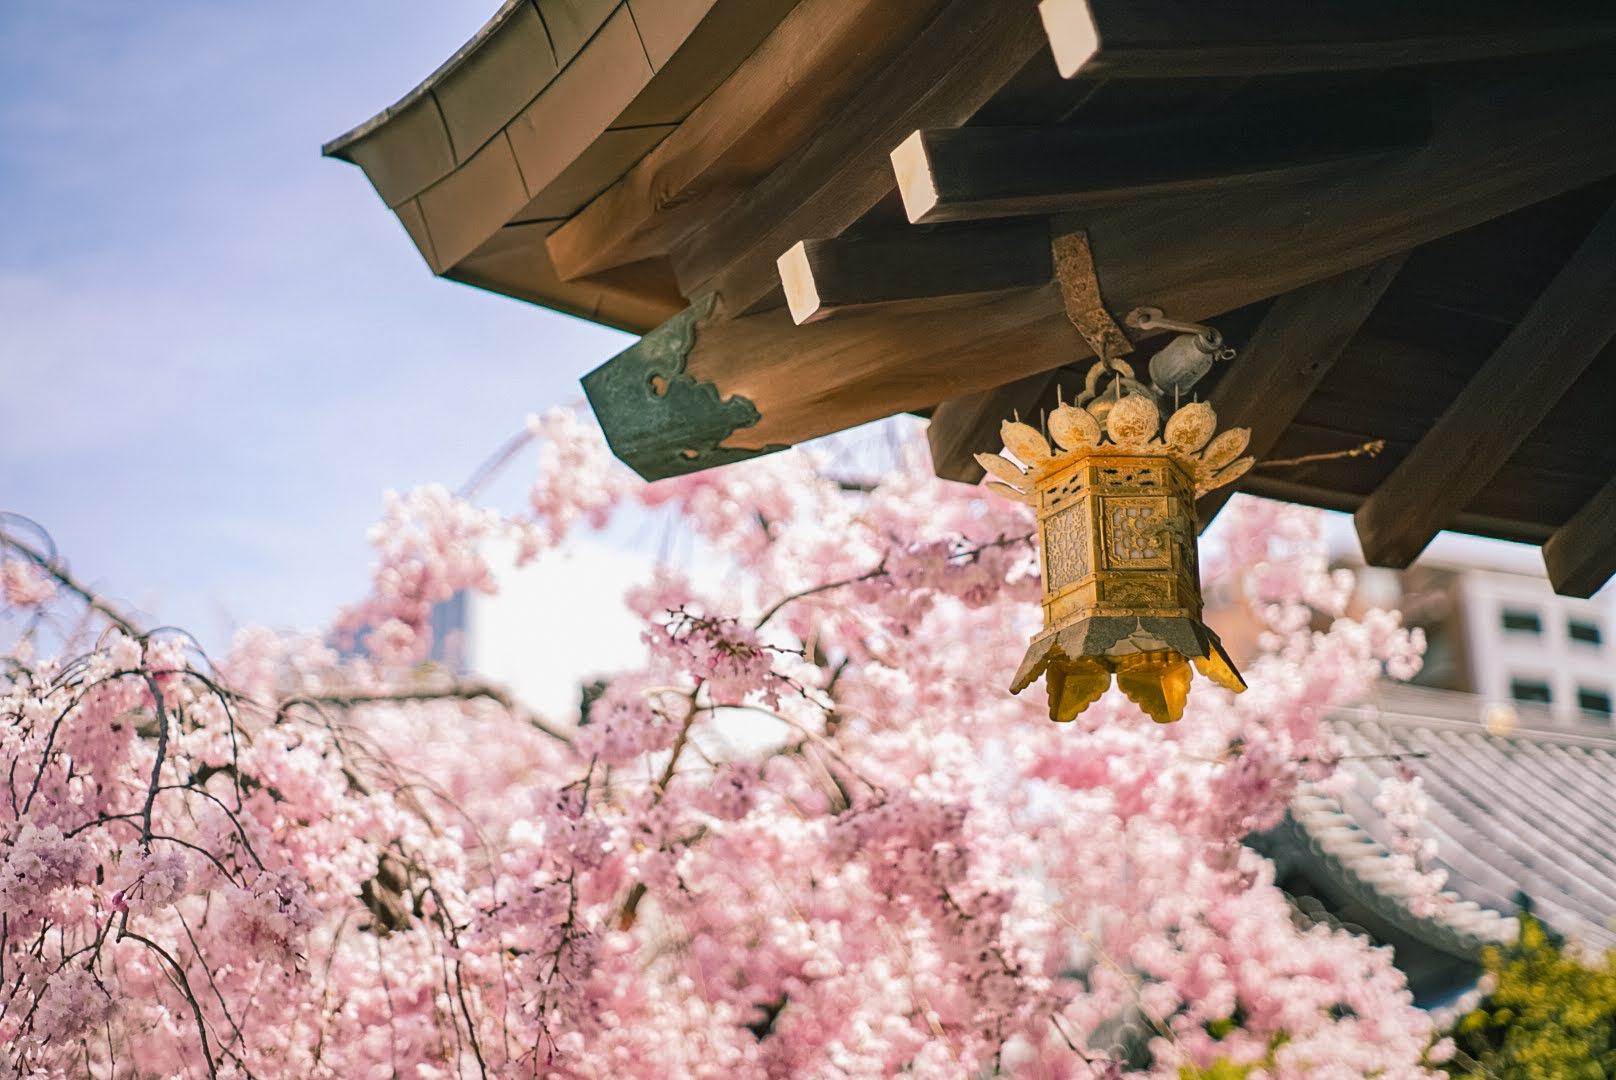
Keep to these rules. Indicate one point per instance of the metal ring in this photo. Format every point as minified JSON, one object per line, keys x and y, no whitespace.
{"x":1143,"y":318}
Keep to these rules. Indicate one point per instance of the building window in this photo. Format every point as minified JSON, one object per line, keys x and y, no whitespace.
{"x":1585,"y":632}
{"x":1524,"y":622}
{"x":1531,"y":691}
{"x":1594,"y":701}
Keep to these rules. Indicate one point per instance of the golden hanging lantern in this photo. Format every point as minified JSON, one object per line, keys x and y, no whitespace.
{"x":1115,"y":496}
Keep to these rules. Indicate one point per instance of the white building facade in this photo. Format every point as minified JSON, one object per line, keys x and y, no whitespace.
{"x":1536,"y":650}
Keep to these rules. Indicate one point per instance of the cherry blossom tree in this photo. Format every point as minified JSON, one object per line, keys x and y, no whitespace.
{"x":812,"y":837}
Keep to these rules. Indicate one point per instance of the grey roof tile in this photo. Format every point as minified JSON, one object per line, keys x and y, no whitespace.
{"x":1533,"y":811}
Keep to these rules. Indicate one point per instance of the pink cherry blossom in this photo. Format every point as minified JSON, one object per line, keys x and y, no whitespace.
{"x":38,"y":861}
{"x":813,"y":836}
{"x":25,"y":586}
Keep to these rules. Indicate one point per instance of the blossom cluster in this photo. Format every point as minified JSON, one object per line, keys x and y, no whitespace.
{"x":1405,"y":807}
{"x":812,"y":837}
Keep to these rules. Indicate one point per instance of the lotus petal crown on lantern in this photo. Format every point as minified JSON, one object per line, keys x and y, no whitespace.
{"x":1116,"y":521}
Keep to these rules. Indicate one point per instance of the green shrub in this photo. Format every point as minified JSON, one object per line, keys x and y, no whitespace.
{"x":1221,"y":1069}
{"x":1549,"y":1016}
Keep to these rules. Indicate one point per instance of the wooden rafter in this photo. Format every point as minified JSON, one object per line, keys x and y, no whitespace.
{"x":959,"y":174}
{"x":811,"y":65}
{"x":1569,"y":325}
{"x":822,"y":277}
{"x":1276,"y":371}
{"x":962,"y":427}
{"x":944,"y":75}
{"x":1500,"y":141}
{"x":1298,"y":341}
{"x":1581,"y":555}
{"x":1168,"y":39}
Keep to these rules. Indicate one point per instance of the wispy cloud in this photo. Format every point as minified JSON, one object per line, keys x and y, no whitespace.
{"x":218,"y":348}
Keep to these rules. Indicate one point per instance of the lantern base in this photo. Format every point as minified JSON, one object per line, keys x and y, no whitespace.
{"x":1149,"y":655}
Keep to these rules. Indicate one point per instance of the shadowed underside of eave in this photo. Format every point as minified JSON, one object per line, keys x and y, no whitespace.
{"x":547,"y":105}
{"x":837,"y":210}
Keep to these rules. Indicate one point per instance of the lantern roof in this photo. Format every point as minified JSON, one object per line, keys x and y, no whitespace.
{"x":822,"y":212}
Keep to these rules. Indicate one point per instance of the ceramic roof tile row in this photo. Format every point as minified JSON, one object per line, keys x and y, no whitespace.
{"x":1533,"y":811}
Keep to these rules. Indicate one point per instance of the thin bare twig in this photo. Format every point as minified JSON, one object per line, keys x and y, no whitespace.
{"x":631,"y":904}
{"x":881,"y":571}
{"x":497,"y":461}
{"x":68,"y":582}
{"x":157,"y":761}
{"x":458,"y":691}
{"x":1366,"y":449}
{"x":185,"y":987}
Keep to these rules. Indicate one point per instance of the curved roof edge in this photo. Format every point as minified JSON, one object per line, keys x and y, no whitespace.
{"x":338,"y":146}
{"x":1348,"y":855}
{"x":548,"y":104}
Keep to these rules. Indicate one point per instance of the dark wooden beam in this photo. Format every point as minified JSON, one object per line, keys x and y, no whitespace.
{"x":1501,"y":140}
{"x":1581,"y":555}
{"x":1164,"y":39}
{"x":959,"y":174}
{"x":1295,"y":346}
{"x":1276,"y":371}
{"x":1283,"y":490}
{"x":946,"y":73}
{"x":811,"y":65}
{"x":965,"y":426}
{"x":822,"y":277}
{"x":1571,"y":322}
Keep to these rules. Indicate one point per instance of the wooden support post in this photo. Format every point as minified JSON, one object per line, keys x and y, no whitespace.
{"x":1567,"y":327}
{"x":1298,"y":341}
{"x":1164,"y":39}
{"x":1581,"y":555}
{"x":959,"y":174}
{"x":824,"y":276}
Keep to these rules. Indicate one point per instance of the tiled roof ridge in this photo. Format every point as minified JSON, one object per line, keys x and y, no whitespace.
{"x":1392,"y":712}
{"x":1527,"y":811}
{"x":1355,"y":858}
{"x":337,"y":145}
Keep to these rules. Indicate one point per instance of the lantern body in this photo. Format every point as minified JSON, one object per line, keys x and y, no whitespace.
{"x":1116,"y":521}
{"x":1122,"y":592}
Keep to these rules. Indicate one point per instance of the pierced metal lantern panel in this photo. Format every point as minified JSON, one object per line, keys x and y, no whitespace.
{"x":1116,"y":521}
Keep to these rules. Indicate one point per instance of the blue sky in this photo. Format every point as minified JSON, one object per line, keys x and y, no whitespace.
{"x":216,"y":347}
